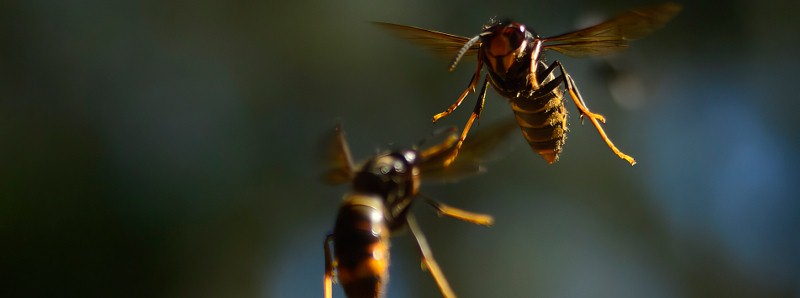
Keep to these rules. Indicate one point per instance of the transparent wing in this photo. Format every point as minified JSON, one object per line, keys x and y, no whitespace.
{"x":444,"y":44}
{"x":476,"y":150}
{"x":613,"y":35}
{"x":339,"y":163}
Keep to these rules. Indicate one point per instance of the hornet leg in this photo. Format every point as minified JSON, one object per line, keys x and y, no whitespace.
{"x":476,"y":114}
{"x":476,"y":218}
{"x":427,"y":258}
{"x":470,"y":88}
{"x":328,"y":267}
{"x":594,"y":118}
{"x":443,"y":146}
{"x":534,"y":81}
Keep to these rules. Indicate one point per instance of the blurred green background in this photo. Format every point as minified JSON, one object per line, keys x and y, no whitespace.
{"x":169,"y":149}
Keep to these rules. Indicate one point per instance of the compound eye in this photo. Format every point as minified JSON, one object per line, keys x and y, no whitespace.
{"x":399,"y":166}
{"x":390,"y":165}
{"x":385,"y":166}
{"x":385,"y":169}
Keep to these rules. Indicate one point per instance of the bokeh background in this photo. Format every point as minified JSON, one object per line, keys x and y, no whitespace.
{"x":170,"y":149}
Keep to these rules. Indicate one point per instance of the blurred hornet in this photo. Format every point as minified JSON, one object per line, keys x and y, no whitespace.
{"x":514,"y":56}
{"x":383,"y":189}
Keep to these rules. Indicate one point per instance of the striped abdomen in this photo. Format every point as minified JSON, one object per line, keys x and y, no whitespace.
{"x":361,"y":247}
{"x":542,"y":118}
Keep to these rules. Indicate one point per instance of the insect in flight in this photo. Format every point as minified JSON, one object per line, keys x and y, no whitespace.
{"x":383,"y":189}
{"x":514,"y":56}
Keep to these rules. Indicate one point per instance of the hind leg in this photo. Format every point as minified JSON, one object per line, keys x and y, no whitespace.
{"x":593,"y":117}
{"x":328,"y":280}
{"x":428,"y":260}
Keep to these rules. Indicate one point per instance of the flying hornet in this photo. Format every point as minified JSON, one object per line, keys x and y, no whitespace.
{"x":514,"y":58}
{"x":382,"y":191}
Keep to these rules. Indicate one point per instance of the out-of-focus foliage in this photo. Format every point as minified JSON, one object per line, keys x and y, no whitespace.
{"x":153,"y":148}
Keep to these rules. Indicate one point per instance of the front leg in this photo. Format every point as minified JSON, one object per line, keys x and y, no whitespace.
{"x":470,"y":88}
{"x":534,"y":81}
{"x":476,"y":114}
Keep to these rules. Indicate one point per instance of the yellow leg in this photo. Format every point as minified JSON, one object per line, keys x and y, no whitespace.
{"x":476,"y":218}
{"x":593,"y":117}
{"x":470,"y":88}
{"x":427,"y":259}
{"x":327,"y":281}
{"x":476,"y":114}
{"x":442,"y":147}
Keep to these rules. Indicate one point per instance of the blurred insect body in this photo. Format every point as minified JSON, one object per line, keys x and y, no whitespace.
{"x":514,"y":59}
{"x":382,"y":191}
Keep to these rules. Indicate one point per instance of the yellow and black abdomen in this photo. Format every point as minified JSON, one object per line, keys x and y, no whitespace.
{"x":541,"y":114}
{"x":543,"y":120}
{"x":361,"y":247}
